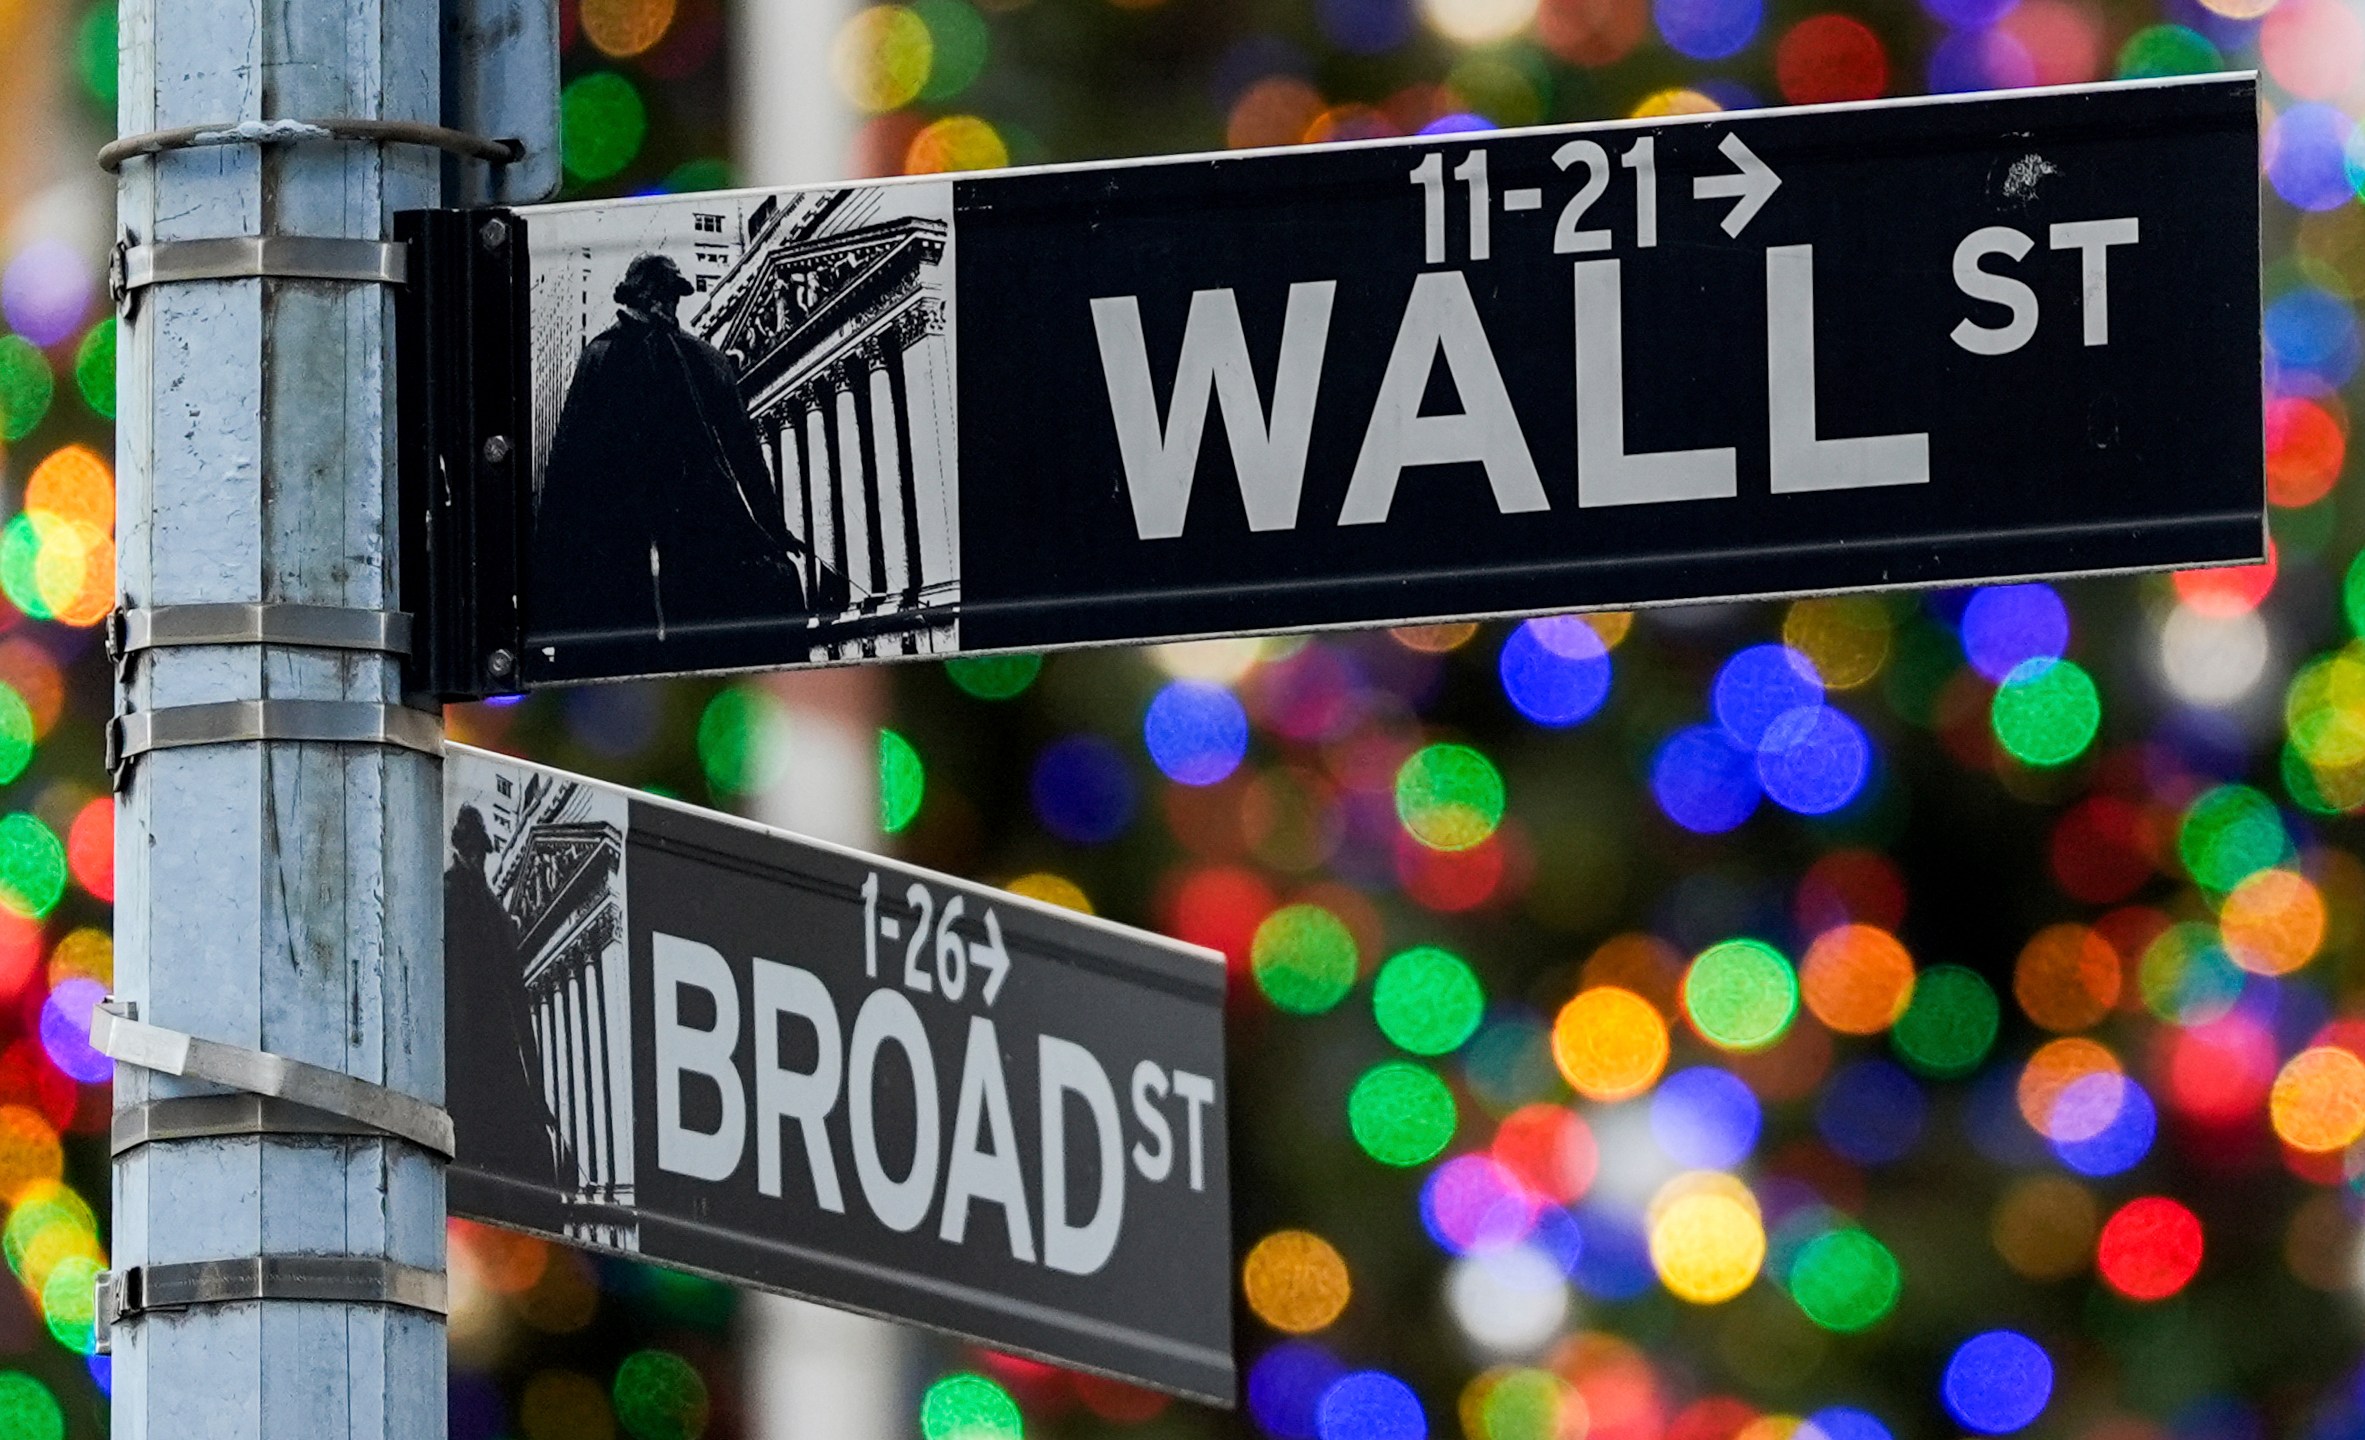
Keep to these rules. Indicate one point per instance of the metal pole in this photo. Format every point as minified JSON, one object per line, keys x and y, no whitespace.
{"x":279,"y":895}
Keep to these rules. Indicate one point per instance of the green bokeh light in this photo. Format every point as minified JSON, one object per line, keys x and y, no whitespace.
{"x":1401,"y":1113}
{"x":1524,"y":1405}
{"x":52,"y":1205}
{"x":903,"y":782}
{"x":27,"y":1410}
{"x":959,"y":46}
{"x":16,"y":734}
{"x":1426,"y":1000}
{"x":2185,"y":977}
{"x":32,"y":866}
{"x":95,"y":53}
{"x":691,"y":176}
{"x":2352,"y":595}
{"x":994,"y":677}
{"x":1740,"y":994}
{"x":660,"y":1396}
{"x":969,"y":1407}
{"x":20,"y":560}
{"x":94,"y":368}
{"x":602,"y":122}
{"x":1304,"y":959}
{"x":68,"y":1303}
{"x":1449,"y":796}
{"x":26,"y":387}
{"x":1949,"y":1025}
{"x":742,"y":737}
{"x":2161,"y":50}
{"x":1844,"y":1280}
{"x":2046,"y":712}
{"x":2230,"y":834}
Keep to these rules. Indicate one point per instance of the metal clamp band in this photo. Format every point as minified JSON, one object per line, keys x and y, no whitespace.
{"x":115,"y":1033}
{"x":286,"y":132}
{"x":252,"y":257}
{"x":228,"y":722}
{"x":205,"y":1117}
{"x":138,"y":1290}
{"x":314,"y":627}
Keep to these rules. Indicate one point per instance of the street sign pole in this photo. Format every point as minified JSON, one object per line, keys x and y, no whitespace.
{"x":278,"y":1267}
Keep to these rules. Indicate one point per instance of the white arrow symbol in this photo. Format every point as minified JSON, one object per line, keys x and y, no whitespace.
{"x":1753,"y":184}
{"x":992,"y":956}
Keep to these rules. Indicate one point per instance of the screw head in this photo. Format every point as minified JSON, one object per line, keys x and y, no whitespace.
{"x":494,"y":234}
{"x":500,"y":663}
{"x":496,"y":449}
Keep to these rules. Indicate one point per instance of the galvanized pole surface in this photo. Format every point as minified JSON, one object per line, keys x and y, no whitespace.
{"x":279,"y":895}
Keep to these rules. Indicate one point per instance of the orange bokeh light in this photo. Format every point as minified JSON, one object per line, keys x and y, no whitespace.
{"x":1857,"y":979}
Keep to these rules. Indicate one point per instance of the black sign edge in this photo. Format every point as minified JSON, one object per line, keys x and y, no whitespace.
{"x":463,"y":1182}
{"x":2231,"y":80}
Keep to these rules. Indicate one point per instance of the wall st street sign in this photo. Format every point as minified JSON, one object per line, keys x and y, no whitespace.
{"x":696,"y":1041}
{"x":1902,"y":343}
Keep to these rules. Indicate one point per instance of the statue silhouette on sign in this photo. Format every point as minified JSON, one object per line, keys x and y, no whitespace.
{"x":658,"y":514}
{"x":491,"y":1045}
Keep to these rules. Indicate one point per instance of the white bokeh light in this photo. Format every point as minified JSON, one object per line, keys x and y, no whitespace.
{"x":1509,"y":1301}
{"x":2212,"y":660}
{"x":1478,"y":22}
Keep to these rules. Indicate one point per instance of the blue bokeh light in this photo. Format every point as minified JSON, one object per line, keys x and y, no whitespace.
{"x":1708,"y":29}
{"x":2118,"y":1145}
{"x":1704,"y":782}
{"x":65,"y":1030}
{"x":2311,"y":338}
{"x":1845,"y":1422}
{"x":1872,"y":1112}
{"x":1705,"y":1118}
{"x":1814,"y":760}
{"x":1370,"y":1405}
{"x":1998,"y":1382}
{"x":1969,"y":14}
{"x":1616,"y":1263}
{"x":1969,"y":60}
{"x":1082,"y":791}
{"x":1196,"y":732}
{"x":1365,"y":27}
{"x":2004,"y":625}
{"x":1285,"y":1387}
{"x":2307,"y":156}
{"x":1557,"y":1235}
{"x":1759,"y":686}
{"x":1555,"y":670}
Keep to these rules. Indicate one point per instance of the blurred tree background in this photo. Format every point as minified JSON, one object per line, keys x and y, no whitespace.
{"x":1882,"y":1016}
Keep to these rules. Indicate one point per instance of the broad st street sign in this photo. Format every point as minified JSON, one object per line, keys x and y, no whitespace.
{"x":1903,"y":343}
{"x":699,"y":1042}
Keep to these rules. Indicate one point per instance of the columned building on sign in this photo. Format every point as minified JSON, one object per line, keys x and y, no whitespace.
{"x":558,"y":872}
{"x":836,"y":316}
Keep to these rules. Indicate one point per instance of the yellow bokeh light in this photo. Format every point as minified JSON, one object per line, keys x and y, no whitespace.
{"x":1219,"y":662}
{"x":73,"y":569}
{"x":85,"y":954}
{"x":73,"y":483}
{"x":1052,"y":890}
{"x":29,"y":1152}
{"x":2044,"y":1227}
{"x":624,"y":28}
{"x":1707,"y":1240}
{"x":956,"y":142}
{"x":1776,"y":1427}
{"x":1609,"y":1043}
{"x":2057,"y":1065}
{"x":1478,"y":22}
{"x":1295,"y":1281}
{"x":881,"y":58}
{"x":1433,"y":639}
{"x":1846,"y":636}
{"x":2318,"y":1100}
{"x":2067,"y":977}
{"x":1857,"y":979}
{"x":2273,"y":922}
{"x":1674,"y":101}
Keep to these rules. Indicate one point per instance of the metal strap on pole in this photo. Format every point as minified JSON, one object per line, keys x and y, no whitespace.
{"x":200,"y":1117}
{"x":289,"y":132}
{"x":256,"y":257}
{"x":138,"y":1290}
{"x":116,"y":1033}
{"x":310,"y":627}
{"x":227,"y":722}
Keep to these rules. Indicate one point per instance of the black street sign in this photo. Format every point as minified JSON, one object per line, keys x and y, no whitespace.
{"x":696,"y":1041}
{"x":1902,"y":343}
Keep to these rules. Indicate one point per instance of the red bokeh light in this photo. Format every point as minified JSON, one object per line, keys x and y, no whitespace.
{"x":1850,"y":887}
{"x":1219,"y":907}
{"x":1827,"y":58}
{"x":2219,"y":1073}
{"x":2230,"y":590}
{"x":90,"y":848}
{"x":2304,"y":451}
{"x":2097,"y":852}
{"x":1548,"y":1150}
{"x":1449,"y":880}
{"x":2150,"y":1249}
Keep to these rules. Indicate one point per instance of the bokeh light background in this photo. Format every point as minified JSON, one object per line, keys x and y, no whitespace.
{"x":1856,"y":1019}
